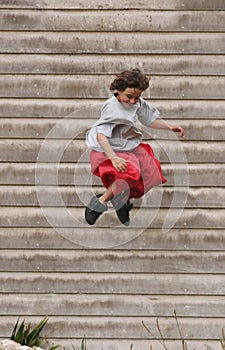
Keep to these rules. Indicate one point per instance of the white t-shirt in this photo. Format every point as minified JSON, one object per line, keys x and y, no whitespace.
{"x":117,"y":123}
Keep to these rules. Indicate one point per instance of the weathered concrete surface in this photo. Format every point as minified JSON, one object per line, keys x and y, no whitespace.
{"x":89,"y":107}
{"x":113,"y":283}
{"x":112,"y":43}
{"x":104,"y":21}
{"x":49,"y":238}
{"x":68,"y":64}
{"x":113,"y":305}
{"x":60,"y":86}
{"x":102,"y":261}
{"x":141,"y":344}
{"x":113,"y":4}
{"x":56,"y":151}
{"x":140,"y":219}
{"x":128,"y":328}
{"x":24,"y":128}
{"x":73,"y":196}
{"x":193,"y":175}
{"x":109,"y":64}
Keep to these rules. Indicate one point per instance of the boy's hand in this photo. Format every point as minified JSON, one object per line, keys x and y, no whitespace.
{"x":179,"y":129}
{"x":119,"y":163}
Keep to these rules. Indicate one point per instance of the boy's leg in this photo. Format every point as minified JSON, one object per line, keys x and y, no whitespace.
{"x":107,"y":195}
{"x":120,"y":203}
{"x":123,"y":207}
{"x":94,"y":209}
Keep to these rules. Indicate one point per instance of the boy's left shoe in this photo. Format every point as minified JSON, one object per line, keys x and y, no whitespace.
{"x":122,"y":209}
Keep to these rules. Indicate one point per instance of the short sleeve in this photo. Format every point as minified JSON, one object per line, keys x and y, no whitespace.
{"x":105,"y":129}
{"x":147,"y":113}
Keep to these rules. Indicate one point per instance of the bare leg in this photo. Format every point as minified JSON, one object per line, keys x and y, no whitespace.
{"x":107,"y":195}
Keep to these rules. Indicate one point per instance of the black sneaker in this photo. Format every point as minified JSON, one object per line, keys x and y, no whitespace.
{"x":94,"y":209}
{"x":122,"y":209}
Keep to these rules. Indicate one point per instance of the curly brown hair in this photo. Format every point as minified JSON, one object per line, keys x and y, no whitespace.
{"x":130,"y":79}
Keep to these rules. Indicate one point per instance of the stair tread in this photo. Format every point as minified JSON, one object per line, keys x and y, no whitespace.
{"x":140,"y":218}
{"x":78,"y":195}
{"x":97,"y":64}
{"x":112,"y":43}
{"x":59,"y":108}
{"x":125,"y":328}
{"x":116,"y":283}
{"x":64,"y":150}
{"x":114,"y":4}
{"x":150,"y":239}
{"x":123,"y":20}
{"x":112,"y":305}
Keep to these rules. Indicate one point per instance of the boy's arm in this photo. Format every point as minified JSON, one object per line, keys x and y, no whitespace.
{"x":161,"y":124}
{"x":118,"y":162}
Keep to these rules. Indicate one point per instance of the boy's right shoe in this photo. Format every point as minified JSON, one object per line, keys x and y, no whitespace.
{"x":94,"y":209}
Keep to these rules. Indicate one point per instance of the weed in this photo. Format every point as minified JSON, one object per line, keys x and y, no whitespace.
{"x":25,"y":335}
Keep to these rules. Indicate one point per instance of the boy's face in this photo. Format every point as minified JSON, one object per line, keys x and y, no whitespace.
{"x":129,"y":96}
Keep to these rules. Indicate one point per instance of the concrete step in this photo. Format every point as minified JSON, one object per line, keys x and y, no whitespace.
{"x":61,"y":86}
{"x":113,"y":4}
{"x":195,"y":175}
{"x":104,"y":261}
{"x":111,"y":305}
{"x":139,"y":344}
{"x":61,"y":218}
{"x":109,"y":64}
{"x":59,"y":108}
{"x":112,"y":283}
{"x":105,"y":21}
{"x":57,"y":151}
{"x":122,"y":328}
{"x":150,"y":239}
{"x":112,"y":43}
{"x":77,"y":196}
{"x":24,"y":128}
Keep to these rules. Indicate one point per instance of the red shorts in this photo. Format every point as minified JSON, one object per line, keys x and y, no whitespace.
{"x":143,"y":171}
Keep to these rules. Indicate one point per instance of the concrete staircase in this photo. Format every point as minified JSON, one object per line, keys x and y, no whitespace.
{"x":56,"y":63}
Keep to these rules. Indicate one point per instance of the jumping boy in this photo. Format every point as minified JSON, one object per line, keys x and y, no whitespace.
{"x":126,"y":165}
